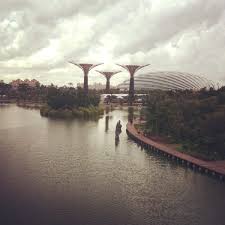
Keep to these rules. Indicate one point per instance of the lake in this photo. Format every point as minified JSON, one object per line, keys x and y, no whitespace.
{"x":56,"y":171}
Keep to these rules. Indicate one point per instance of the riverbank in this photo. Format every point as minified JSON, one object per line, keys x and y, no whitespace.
{"x":84,"y":112}
{"x":185,"y":148}
{"x":7,"y":101}
{"x":215,"y":168}
{"x":30,"y":105}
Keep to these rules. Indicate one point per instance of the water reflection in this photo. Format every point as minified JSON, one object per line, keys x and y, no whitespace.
{"x":130,"y":114}
{"x":118,"y":132}
{"x":68,"y":172}
{"x":117,"y":140}
{"x":106,"y":123}
{"x":107,"y":110}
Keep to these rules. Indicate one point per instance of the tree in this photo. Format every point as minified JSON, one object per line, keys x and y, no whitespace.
{"x":194,"y":118}
{"x":23,"y":91}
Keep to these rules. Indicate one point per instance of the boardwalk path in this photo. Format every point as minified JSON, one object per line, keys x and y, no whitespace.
{"x":215,"y":168}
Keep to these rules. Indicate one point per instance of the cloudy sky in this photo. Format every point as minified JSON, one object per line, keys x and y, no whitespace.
{"x":39,"y":37}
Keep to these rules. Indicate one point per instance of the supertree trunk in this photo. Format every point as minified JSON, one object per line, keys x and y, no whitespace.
{"x":86,"y":84}
{"x":108,"y":76}
{"x":86,"y":68}
{"x":132,"y":69}
{"x":131,"y":91}
{"x":107,"y":86}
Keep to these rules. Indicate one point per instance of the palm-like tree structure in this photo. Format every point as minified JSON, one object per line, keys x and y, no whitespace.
{"x":132,"y":69}
{"x":108,"y":76}
{"x":86,"y":68}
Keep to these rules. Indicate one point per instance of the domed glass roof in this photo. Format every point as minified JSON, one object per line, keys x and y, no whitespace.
{"x":168,"y":80}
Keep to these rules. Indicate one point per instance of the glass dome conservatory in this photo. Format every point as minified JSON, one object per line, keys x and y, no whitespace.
{"x":165,"y":80}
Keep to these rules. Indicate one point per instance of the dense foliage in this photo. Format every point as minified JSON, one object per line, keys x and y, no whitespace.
{"x":54,"y":101}
{"x":195,"y":119}
{"x":70,"y":102}
{"x":70,"y":97}
{"x":56,"y":97}
{"x":24,"y":92}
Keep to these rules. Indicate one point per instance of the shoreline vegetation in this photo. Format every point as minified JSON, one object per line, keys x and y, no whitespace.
{"x":30,"y":105}
{"x":214,"y":168}
{"x":168,"y":141}
{"x":81,"y":112}
{"x":71,"y":103}
{"x":193,"y":121}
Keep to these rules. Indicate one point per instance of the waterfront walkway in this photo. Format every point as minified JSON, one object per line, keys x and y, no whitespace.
{"x":215,"y":168}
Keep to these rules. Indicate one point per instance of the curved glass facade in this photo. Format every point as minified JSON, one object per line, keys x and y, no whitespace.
{"x":168,"y":80}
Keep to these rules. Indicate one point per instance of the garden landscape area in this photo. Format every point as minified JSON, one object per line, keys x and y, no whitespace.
{"x":112,"y":112}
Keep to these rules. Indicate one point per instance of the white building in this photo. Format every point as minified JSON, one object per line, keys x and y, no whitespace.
{"x":168,"y":80}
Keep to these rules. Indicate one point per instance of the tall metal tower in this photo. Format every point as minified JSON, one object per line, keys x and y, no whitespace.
{"x":132,"y":69}
{"x":108,"y":76}
{"x":86,"y":68}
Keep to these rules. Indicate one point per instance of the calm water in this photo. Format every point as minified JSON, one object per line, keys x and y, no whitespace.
{"x":71,"y":172}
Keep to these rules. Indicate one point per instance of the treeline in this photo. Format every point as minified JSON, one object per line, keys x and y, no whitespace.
{"x":24,"y":92}
{"x":56,"y":97}
{"x":69,"y":98}
{"x":194,"y":119}
{"x":69,"y":102}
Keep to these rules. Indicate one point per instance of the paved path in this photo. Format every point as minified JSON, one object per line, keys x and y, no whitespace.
{"x":213,"y":167}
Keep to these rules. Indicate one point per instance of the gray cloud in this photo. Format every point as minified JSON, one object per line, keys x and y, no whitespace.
{"x":153,"y":29}
{"x":38,"y":38}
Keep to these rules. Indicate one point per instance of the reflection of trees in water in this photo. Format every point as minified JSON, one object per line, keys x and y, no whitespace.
{"x":117,"y":140}
{"x":130,"y":114}
{"x":107,"y":110}
{"x":117,"y":137}
{"x":118,"y":132}
{"x":106,"y":123}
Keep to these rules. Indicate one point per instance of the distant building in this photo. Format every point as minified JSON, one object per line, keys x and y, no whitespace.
{"x":167,"y":80}
{"x":30,"y":83}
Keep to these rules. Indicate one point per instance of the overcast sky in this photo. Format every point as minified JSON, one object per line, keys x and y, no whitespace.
{"x":39,"y":37}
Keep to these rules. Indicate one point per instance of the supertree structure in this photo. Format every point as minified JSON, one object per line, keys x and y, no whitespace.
{"x":108,"y":76}
{"x":132,"y":69}
{"x":86,"y":69}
